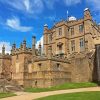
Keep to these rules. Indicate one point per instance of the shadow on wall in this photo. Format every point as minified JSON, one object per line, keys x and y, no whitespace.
{"x":96,"y":69}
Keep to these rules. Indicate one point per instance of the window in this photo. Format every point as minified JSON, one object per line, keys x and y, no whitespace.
{"x":39,"y":64}
{"x":73,"y":45}
{"x":50,"y":38}
{"x":58,"y":66}
{"x":72,"y":31}
{"x":81,"y":44}
{"x":81,"y":28}
{"x":60,"y":31}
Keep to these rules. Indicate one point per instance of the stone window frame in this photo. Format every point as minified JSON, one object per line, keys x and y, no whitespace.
{"x":60,"y":31}
{"x":49,"y":38}
{"x":81,"y":27}
{"x":81,"y":42}
{"x":72,"y":45}
{"x":72,"y":30}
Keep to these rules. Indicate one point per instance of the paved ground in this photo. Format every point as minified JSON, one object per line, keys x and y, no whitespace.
{"x":31,"y":96}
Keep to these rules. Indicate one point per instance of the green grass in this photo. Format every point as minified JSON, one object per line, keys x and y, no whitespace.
{"x":4,"y":95}
{"x":62,"y":87}
{"x":74,"y":96}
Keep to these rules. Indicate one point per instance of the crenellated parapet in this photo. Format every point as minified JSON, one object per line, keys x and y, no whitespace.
{"x":53,"y":58}
{"x":6,"y":56}
{"x":20,"y":50}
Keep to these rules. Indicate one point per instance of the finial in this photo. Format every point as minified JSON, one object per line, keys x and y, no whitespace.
{"x":46,"y":25}
{"x":86,"y":9}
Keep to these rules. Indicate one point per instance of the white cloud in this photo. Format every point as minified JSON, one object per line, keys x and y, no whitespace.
{"x":39,"y":41}
{"x":94,"y":3}
{"x":7,"y":46}
{"x":72,"y":2}
{"x":15,"y":24}
{"x":36,"y":6}
{"x":26,"y":6}
{"x":50,"y":3}
{"x":95,"y":8}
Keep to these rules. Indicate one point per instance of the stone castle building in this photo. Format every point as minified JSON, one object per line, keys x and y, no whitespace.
{"x":68,"y":55}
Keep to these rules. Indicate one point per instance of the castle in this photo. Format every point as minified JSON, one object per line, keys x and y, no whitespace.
{"x":68,"y":55}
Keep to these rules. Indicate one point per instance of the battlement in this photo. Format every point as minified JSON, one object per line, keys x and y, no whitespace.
{"x":58,"y":58}
{"x":20,"y":50}
{"x":6,"y":56}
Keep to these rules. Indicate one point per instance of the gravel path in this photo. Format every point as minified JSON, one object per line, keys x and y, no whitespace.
{"x":31,"y":96}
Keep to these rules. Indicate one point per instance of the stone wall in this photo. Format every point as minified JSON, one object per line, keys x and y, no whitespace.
{"x":83,"y":68}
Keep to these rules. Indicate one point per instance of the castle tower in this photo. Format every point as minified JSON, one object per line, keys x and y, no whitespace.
{"x":3,"y":50}
{"x":45,"y":39}
{"x":87,"y":14}
{"x":39,"y":48}
{"x":33,"y":45}
{"x":24,"y":44}
{"x":88,"y":40}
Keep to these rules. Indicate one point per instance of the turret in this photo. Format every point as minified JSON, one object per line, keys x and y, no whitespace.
{"x":39,"y":48}
{"x":3,"y":50}
{"x":33,"y":45}
{"x":45,"y":27}
{"x":87,"y":14}
{"x":45,"y":39}
{"x":24,"y":44}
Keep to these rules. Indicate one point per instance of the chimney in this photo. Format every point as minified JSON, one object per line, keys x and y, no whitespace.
{"x":39,"y":48}
{"x":3,"y":50}
{"x":33,"y":45}
{"x":24,"y":44}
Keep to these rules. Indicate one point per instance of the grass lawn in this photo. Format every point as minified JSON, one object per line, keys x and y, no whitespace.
{"x":74,"y":96}
{"x":62,"y":87}
{"x":4,"y":95}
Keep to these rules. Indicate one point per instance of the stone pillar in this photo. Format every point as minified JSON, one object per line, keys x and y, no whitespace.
{"x":49,"y":52}
{"x":33,"y":45}
{"x":3,"y":50}
{"x":45,"y":39}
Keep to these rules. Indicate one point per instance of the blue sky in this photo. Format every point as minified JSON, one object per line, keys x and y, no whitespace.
{"x":20,"y":19}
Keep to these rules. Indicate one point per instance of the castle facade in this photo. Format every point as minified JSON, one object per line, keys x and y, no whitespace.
{"x":68,"y":55}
